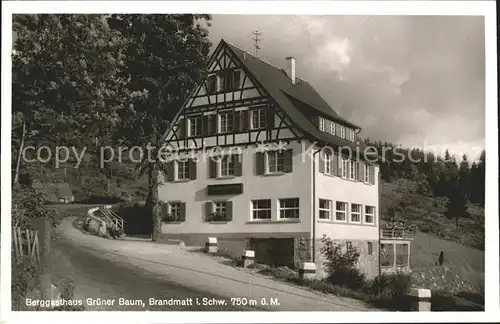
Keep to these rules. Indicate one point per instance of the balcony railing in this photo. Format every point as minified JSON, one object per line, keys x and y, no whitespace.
{"x":398,"y":234}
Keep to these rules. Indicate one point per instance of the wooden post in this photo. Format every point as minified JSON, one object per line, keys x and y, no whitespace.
{"x":45,"y":277}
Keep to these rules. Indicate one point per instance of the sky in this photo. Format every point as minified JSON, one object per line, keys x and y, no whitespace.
{"x":418,"y":81}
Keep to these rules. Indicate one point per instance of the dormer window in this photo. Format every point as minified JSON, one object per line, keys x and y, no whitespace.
{"x":322,"y":124}
{"x":332,"y":128}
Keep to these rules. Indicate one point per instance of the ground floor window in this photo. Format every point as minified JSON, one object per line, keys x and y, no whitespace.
{"x":355,"y":213}
{"x":261,"y":209}
{"x":340,"y":211}
{"x":369,"y":214}
{"x":325,"y":207}
{"x":289,"y":208}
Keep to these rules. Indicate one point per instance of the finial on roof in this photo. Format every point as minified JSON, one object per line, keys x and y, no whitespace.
{"x":256,"y":34}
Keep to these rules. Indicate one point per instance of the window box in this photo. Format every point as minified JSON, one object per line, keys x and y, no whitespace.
{"x":217,"y":217}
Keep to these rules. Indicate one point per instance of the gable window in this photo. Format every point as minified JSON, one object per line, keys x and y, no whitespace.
{"x":328,"y":163}
{"x":340,"y":211}
{"x":342,"y":131}
{"x":182,"y":170}
{"x":352,"y":170}
{"x":258,"y":118}
{"x":195,"y":128}
{"x":289,"y":208}
{"x":355,"y":213}
{"x":226,"y":122}
{"x":366,"y":173}
{"x":261,"y":209}
{"x":229,"y":80}
{"x":211,"y":84}
{"x":369,"y":214}
{"x":325,"y":207}
{"x":321,"y":124}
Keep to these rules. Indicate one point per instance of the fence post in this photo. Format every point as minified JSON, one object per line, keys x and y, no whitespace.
{"x":420,"y":299}
{"x":248,"y":258}
{"x":211,"y":245}
{"x":45,"y":277}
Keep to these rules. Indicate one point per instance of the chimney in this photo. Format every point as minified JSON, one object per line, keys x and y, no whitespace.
{"x":291,"y":68}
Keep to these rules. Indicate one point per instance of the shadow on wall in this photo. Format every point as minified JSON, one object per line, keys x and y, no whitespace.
{"x":137,"y":221}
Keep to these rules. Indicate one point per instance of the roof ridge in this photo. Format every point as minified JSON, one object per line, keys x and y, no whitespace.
{"x":258,"y":58}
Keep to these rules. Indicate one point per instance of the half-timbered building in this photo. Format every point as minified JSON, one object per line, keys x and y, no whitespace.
{"x":265,"y":163}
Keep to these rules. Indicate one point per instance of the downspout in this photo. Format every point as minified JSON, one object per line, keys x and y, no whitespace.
{"x":378,"y":223}
{"x":314,"y":207}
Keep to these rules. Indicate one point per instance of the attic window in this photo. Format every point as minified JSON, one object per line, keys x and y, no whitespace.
{"x":321,"y":124}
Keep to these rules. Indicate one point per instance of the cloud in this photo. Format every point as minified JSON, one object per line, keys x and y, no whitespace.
{"x":402,"y":78}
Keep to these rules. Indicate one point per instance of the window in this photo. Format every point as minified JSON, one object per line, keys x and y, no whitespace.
{"x":182,"y":170}
{"x":355,"y":213}
{"x":229,"y":80}
{"x":258,"y":119}
{"x":370,"y":248}
{"x":275,"y":161}
{"x":289,"y":208}
{"x":342,"y":131}
{"x":344,"y":165}
{"x":261,"y":209}
{"x":352,"y":170}
{"x":366,"y":172}
{"x":321,"y":124}
{"x":211,"y":84}
{"x":332,"y":128}
{"x":350,"y":134}
{"x":195,"y":126}
{"x":175,"y":210}
{"x":227,"y":165}
{"x":369,"y":214}
{"x":226,"y":122}
{"x":220,"y":207}
{"x":325,"y":207}
{"x":328,"y":163}
{"x":340,"y":211}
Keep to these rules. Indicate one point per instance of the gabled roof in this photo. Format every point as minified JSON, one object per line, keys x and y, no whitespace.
{"x":297,"y":100}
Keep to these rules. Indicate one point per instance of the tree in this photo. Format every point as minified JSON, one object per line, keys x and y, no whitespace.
{"x":457,"y":206}
{"x":64,"y":79}
{"x":166,"y":56}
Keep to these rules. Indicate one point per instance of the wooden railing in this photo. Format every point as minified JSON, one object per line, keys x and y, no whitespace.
{"x":25,"y":244}
{"x":402,"y":234}
{"x":111,"y":217}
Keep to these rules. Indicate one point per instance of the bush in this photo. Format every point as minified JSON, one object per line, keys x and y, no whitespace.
{"x":340,"y":264}
{"x":393,"y":286}
{"x":23,"y":274}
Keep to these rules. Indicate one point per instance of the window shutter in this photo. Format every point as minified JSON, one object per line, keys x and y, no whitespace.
{"x":244,"y":120}
{"x":208,"y":209}
{"x":183,"y":212}
{"x":238,"y":164}
{"x":237,"y":121}
{"x":259,"y":160}
{"x":206,"y":125}
{"x":339,"y":165}
{"x":192,"y":169}
{"x":181,"y":128}
{"x":335,"y":164}
{"x":269,"y":117}
{"x":361,"y":171}
{"x":372,"y":174}
{"x":212,"y":129}
{"x":164,"y":209}
{"x":229,"y":211}
{"x":212,"y":164}
{"x":288,"y":161}
{"x":170,"y":170}
{"x":236,"y":79}
{"x":321,"y":162}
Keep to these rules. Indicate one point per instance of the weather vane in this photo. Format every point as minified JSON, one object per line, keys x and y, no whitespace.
{"x":256,"y":34}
